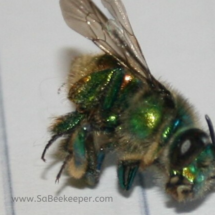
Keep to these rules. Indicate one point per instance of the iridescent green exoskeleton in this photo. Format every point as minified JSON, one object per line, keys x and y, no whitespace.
{"x":121,"y":107}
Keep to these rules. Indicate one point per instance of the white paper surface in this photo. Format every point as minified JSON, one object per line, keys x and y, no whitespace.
{"x":36,"y":47}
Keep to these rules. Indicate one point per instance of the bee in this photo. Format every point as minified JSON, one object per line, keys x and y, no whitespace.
{"x":122,"y":107}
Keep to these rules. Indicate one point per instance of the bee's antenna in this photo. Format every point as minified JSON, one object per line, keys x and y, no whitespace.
{"x":211,"y":128}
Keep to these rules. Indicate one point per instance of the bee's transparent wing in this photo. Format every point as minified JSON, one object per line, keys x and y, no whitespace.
{"x":117,"y":10}
{"x":113,"y":36}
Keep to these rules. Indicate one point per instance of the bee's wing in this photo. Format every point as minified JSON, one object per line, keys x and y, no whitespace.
{"x":117,"y":10}
{"x":113,"y":36}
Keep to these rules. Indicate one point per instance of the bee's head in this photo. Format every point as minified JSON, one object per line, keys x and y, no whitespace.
{"x":192,"y":164}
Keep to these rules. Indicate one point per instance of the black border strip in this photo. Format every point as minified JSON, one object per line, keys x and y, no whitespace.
{"x":145,"y":210}
{"x":5,"y":159}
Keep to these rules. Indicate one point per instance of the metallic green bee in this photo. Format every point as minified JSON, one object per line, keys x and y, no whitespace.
{"x":121,"y":107}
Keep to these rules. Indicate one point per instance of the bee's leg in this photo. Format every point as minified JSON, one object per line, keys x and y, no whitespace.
{"x":95,"y":160}
{"x":127,"y":170}
{"x":77,"y":165}
{"x":91,"y":175}
{"x":67,"y":147}
{"x":100,"y":159}
{"x":83,"y":160}
{"x":62,"y":126}
{"x":68,"y":157}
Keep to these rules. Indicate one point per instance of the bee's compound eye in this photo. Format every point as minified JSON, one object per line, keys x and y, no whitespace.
{"x":186,"y":146}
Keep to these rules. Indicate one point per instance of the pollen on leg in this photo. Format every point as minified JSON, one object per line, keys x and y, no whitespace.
{"x":76,"y":171}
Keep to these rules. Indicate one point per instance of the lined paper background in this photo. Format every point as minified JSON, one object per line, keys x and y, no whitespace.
{"x":36,"y":47}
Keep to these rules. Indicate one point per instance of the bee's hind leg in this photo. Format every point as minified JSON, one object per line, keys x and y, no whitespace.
{"x":75,"y":148}
{"x":76,"y":144}
{"x":95,"y":157}
{"x":84,"y":159}
{"x":127,"y":170}
{"x":95,"y":160}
